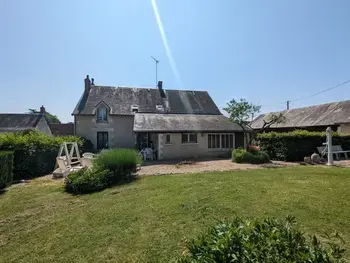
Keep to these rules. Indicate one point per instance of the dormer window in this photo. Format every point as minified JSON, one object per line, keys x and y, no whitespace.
{"x":102,"y":114}
{"x":135,"y":108}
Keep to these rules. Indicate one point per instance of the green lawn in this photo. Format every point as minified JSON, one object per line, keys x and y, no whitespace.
{"x":148,"y":220}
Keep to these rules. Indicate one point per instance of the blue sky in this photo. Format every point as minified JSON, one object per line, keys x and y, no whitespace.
{"x":265,"y":51}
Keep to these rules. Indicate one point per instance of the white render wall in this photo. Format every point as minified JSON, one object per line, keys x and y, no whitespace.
{"x":178,"y":150}
{"x":119,"y":128}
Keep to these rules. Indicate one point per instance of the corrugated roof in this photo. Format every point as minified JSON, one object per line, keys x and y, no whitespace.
{"x":318,"y":115}
{"x":121,"y":99}
{"x":19,"y":121}
{"x":183,"y":122}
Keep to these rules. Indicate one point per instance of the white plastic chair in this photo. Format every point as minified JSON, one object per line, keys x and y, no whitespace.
{"x":148,"y":154}
{"x":89,"y":155}
{"x":86,"y":162}
{"x":64,"y":167}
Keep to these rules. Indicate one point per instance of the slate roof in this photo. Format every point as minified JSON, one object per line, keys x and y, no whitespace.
{"x":19,"y":121}
{"x":62,"y":129}
{"x":180,"y":123}
{"x":318,"y":115}
{"x":121,"y":99}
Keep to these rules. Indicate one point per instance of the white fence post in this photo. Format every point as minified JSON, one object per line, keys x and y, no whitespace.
{"x":329,"y":146}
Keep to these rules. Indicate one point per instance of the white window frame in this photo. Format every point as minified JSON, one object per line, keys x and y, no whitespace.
{"x":188,"y":138}
{"x":220,"y":141}
{"x":134,"y":108}
{"x":98,"y":119}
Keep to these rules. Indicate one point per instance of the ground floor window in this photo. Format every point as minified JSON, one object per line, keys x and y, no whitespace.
{"x":167,"y":139}
{"x":102,"y":140}
{"x":223,"y":141}
{"x":189,"y":138}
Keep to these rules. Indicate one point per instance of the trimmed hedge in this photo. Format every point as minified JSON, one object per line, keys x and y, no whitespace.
{"x":252,"y":156}
{"x":294,"y":146}
{"x":86,"y":181}
{"x":6,"y":168}
{"x":268,"y":240}
{"x":34,"y":152}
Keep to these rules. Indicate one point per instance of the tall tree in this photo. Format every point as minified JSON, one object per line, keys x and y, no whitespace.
{"x":241,"y":111}
{"x":50,"y":118}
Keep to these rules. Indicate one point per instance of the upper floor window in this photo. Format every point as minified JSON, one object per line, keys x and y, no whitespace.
{"x":102,"y":113}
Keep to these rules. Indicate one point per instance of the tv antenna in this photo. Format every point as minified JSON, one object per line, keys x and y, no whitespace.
{"x":156,"y":61}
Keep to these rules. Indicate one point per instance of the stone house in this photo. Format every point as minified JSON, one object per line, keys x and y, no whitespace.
{"x":177,"y":123}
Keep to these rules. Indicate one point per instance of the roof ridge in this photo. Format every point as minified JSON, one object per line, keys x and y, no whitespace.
{"x":29,"y":113}
{"x":141,"y":87}
{"x":310,"y":106}
{"x":123,"y":87}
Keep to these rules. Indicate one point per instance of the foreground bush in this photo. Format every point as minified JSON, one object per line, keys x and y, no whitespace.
{"x":268,"y":240}
{"x":121,"y":163}
{"x":253,"y":156}
{"x":6,"y":168}
{"x":34,"y":152}
{"x":86,"y":180}
{"x":294,"y":146}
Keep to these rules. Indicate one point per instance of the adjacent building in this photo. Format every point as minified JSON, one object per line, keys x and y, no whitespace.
{"x":15,"y":122}
{"x":313,"y":118}
{"x":62,"y":129}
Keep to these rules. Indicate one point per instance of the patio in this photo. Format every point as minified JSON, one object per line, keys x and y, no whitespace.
{"x":174,"y":167}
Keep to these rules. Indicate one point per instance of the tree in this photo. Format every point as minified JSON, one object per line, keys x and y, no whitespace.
{"x":50,"y":118}
{"x":240,"y":112}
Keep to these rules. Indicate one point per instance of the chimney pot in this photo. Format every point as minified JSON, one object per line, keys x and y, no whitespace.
{"x":92,"y":81}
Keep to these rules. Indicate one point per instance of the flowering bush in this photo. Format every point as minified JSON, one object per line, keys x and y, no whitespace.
{"x":253,"y":148}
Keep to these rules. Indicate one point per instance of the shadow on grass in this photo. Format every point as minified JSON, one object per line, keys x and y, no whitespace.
{"x":79,"y":192}
{"x":2,"y":191}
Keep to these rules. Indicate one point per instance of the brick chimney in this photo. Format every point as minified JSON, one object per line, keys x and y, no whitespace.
{"x":42,"y":109}
{"x":87,"y":84}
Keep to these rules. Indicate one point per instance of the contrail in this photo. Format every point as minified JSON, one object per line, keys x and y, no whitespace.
{"x":165,"y":41}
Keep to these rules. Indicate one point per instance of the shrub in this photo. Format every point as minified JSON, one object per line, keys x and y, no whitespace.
{"x":294,"y":146}
{"x":86,"y":180}
{"x":34,"y":152}
{"x":253,"y":156}
{"x":121,"y":163}
{"x":268,"y":240}
{"x":87,"y":146}
{"x":6,"y":168}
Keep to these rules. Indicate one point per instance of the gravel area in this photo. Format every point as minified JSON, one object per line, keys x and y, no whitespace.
{"x":173,"y":167}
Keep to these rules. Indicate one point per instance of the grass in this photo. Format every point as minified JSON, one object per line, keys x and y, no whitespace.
{"x":149,"y":219}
